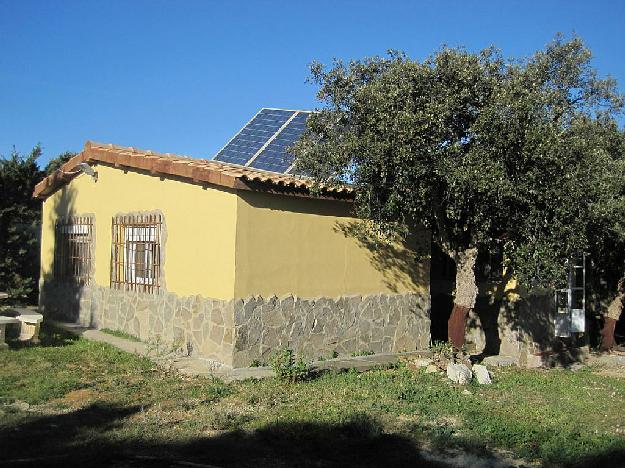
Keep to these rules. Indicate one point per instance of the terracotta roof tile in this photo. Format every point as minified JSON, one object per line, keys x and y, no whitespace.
{"x":191,"y":169}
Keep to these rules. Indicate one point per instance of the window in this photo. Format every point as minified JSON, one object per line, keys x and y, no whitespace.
{"x":73,"y":244}
{"x":571,"y":301}
{"x":136,"y":253}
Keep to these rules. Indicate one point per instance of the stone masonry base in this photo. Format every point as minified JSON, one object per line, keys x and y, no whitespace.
{"x":239,"y":331}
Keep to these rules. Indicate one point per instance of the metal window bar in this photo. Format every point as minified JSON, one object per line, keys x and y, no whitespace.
{"x":136,"y":253}
{"x":73,"y":241}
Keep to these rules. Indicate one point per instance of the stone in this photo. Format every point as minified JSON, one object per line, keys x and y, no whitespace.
{"x":216,"y":334}
{"x":198,"y":320}
{"x":481,"y":374}
{"x":500,"y":361}
{"x":533,"y":361}
{"x":459,"y":373}
{"x":20,"y":405}
{"x":217,"y":316}
{"x":431,"y":369}
{"x":272,"y":317}
{"x":418,"y":363}
{"x":466,"y":392}
{"x":237,"y":329}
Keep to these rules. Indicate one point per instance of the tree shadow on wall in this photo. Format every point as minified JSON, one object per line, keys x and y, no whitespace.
{"x":60,"y":295}
{"x":506,"y":316}
{"x":530,"y":315}
{"x":485,"y":315}
{"x":402,"y":262}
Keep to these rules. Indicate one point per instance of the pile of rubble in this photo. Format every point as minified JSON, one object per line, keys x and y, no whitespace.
{"x":457,"y":367}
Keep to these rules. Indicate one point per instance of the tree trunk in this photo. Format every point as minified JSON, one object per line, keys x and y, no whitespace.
{"x":464,"y":296}
{"x":607,"y":334}
{"x":615,"y":309}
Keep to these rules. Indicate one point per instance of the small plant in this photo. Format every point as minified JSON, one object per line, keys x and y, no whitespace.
{"x":120,"y":334}
{"x":334,"y":354}
{"x":363,"y":353}
{"x":257,"y":363}
{"x":288,"y":368}
{"x":155,"y":347}
{"x":443,"y":349}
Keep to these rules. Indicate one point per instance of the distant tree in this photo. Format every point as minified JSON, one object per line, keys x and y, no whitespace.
{"x":57,"y":162}
{"x":19,"y":224}
{"x":480,"y":150}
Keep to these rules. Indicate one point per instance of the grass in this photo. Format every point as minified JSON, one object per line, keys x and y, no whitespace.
{"x":120,"y":334}
{"x":107,"y":407}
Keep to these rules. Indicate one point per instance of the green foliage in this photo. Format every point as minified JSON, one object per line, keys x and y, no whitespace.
{"x":20,"y":222}
{"x":554,"y":418}
{"x":19,"y":225}
{"x":57,"y":162}
{"x":288,"y":368}
{"x":120,"y":334}
{"x":443,"y":349}
{"x":481,"y":150}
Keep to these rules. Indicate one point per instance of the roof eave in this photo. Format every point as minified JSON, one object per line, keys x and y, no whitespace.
{"x":194,"y":171}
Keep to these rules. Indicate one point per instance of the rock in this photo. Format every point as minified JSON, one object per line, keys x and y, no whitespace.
{"x":459,"y":373}
{"x":481,"y":374}
{"x":21,"y":405}
{"x":431,"y":369}
{"x":500,"y":361}
{"x":534,"y":362}
{"x":418,"y":363}
{"x":466,"y":392}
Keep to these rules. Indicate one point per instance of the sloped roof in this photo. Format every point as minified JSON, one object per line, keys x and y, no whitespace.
{"x":189,"y":169}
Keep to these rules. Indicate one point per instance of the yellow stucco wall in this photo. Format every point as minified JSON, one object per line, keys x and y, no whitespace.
{"x":200,"y":224}
{"x":225,"y":244}
{"x":289,"y":245}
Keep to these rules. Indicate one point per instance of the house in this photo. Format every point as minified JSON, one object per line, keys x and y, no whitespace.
{"x":228,"y":259}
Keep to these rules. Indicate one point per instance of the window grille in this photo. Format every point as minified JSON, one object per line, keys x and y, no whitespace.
{"x":73,"y":241}
{"x":136,"y":253}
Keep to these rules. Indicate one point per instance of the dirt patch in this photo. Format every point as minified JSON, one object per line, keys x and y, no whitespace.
{"x":78,"y":398}
{"x":617,"y":372}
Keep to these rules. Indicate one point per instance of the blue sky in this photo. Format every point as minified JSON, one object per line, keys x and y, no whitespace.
{"x":184,"y":76}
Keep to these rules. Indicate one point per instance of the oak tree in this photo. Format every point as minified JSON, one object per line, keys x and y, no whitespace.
{"x":484,"y":151}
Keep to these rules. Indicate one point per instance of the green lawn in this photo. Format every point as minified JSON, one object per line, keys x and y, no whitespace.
{"x":90,"y":403}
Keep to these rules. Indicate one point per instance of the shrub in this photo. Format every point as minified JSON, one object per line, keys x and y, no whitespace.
{"x":288,"y":368}
{"x":443,"y":349}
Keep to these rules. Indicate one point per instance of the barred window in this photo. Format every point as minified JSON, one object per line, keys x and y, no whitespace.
{"x":73,"y":245}
{"x":136,"y":253}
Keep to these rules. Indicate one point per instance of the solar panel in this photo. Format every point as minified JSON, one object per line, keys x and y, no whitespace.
{"x":253,"y":136}
{"x":275,"y":157}
{"x":263,"y":142}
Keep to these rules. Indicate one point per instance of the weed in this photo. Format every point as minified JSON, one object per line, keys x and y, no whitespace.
{"x":120,"y":334}
{"x":288,"y":368}
{"x":226,"y":419}
{"x":553,"y":418}
{"x":443,"y":349}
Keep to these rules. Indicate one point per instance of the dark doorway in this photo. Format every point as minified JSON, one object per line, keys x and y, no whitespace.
{"x":442,"y":277}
